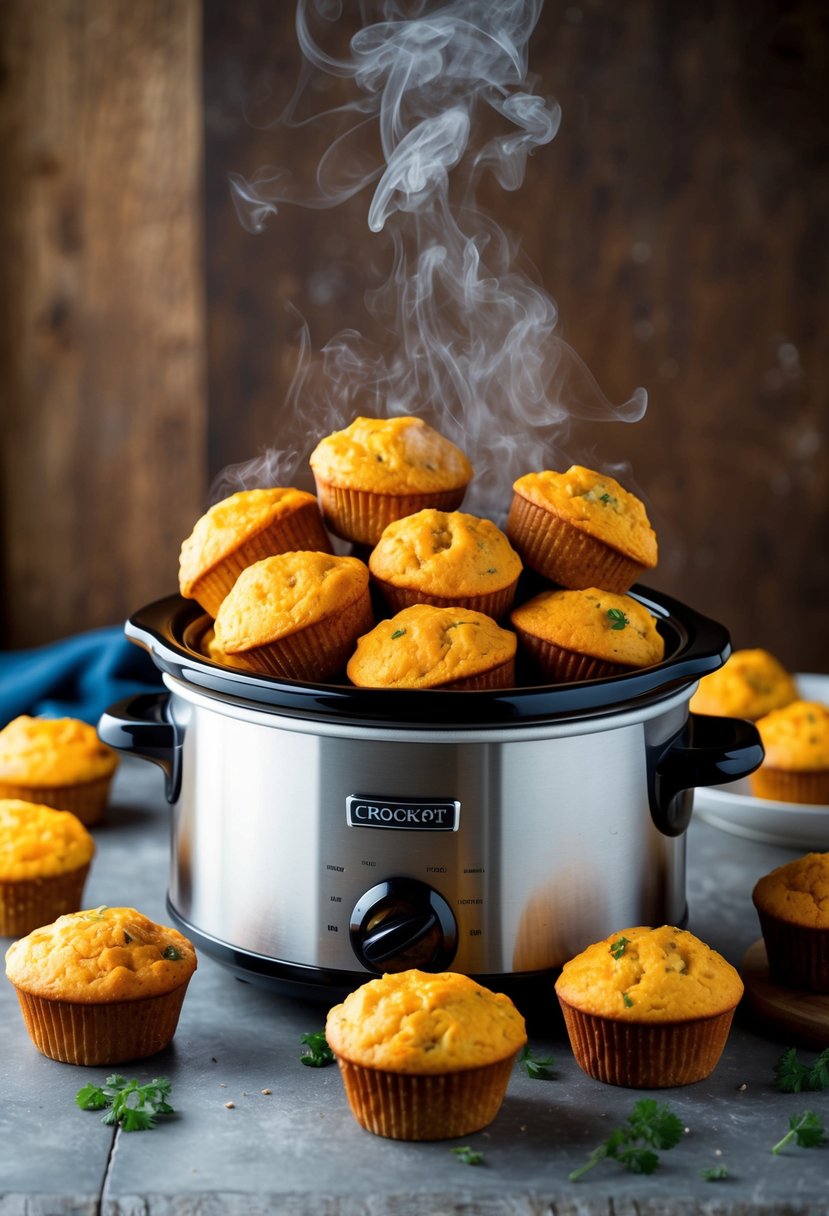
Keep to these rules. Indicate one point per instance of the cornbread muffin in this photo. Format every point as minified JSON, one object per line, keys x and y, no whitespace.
{"x":425,"y":1056}
{"x":581,"y":529}
{"x":586,"y":635}
{"x":58,"y":762}
{"x":796,"y":765}
{"x":648,"y":1008}
{"x":243,"y":529}
{"x":428,"y":647}
{"x":792,"y":905}
{"x":45,"y":857}
{"x":296,"y":615}
{"x":750,"y":684}
{"x":446,"y":558}
{"x":101,"y":986}
{"x":380,"y":469}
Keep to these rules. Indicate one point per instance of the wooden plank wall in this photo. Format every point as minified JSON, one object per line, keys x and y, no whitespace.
{"x":678,"y":219}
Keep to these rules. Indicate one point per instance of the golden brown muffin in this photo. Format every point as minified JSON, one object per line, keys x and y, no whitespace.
{"x":101,"y":986}
{"x":446,"y":558}
{"x":792,"y":904}
{"x":380,"y":469}
{"x":648,"y":1008}
{"x":45,"y":857}
{"x":750,"y":684}
{"x":243,"y":529}
{"x":586,"y":635}
{"x":58,"y":762}
{"x":581,"y":529}
{"x":796,"y":764}
{"x":296,"y":615}
{"x":425,"y":1056}
{"x":428,"y":647}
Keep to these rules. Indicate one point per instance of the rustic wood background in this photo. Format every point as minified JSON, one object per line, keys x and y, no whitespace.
{"x":679,"y":220}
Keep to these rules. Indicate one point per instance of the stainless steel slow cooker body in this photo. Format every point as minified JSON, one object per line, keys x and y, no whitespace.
{"x":322,"y":834}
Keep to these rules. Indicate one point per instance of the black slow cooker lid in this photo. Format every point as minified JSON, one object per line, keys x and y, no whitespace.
{"x":171,"y":630}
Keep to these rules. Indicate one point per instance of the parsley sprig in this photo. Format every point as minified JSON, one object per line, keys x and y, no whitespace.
{"x":618,"y":619}
{"x":792,"y":1076}
{"x":133,"y":1106}
{"x":469,"y":1156}
{"x":649,"y":1127}
{"x":319,"y":1054}
{"x":805,"y":1129}
{"x":537,"y":1068}
{"x":617,"y":948}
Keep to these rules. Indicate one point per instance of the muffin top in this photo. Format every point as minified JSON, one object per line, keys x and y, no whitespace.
{"x":750,"y":683}
{"x":419,"y":1022}
{"x":390,"y":456}
{"x":426,"y":647}
{"x":650,"y":975}
{"x":39,"y":842}
{"x":796,"y":737}
{"x":607,"y":626}
{"x":53,"y":752}
{"x":597,"y":504}
{"x":230,"y":522}
{"x":797,"y":892}
{"x":445,"y":553}
{"x":282,"y":594}
{"x":104,"y":954}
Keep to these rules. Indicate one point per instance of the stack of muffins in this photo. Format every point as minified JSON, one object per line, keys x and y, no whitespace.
{"x":429,"y":596}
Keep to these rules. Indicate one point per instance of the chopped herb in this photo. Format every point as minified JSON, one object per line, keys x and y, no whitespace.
{"x":398,"y":633}
{"x":536,"y":1068}
{"x":618,"y":620}
{"x":491,"y":570}
{"x":792,"y":1076}
{"x":607,"y":499}
{"x":134,"y":1107}
{"x":319,"y":1053}
{"x":172,"y":953}
{"x":806,"y":1130}
{"x":469,"y":1156}
{"x":617,"y":948}
{"x":627,"y":1000}
{"x":648,"y":1128}
{"x":716,"y":1173}
{"x":455,"y":624}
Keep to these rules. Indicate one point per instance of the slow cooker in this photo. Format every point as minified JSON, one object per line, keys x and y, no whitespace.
{"x":324,"y":834}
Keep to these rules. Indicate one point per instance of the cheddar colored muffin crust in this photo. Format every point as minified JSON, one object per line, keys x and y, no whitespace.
{"x":445,"y":553}
{"x":797,"y":892}
{"x":100,"y":955}
{"x":650,"y":975}
{"x":596,"y":504}
{"x":418,"y":1022}
{"x":426,"y":647}
{"x":750,"y":684}
{"x":52,"y":752}
{"x":38,"y":842}
{"x":608,"y":626}
{"x":797,"y":736}
{"x":390,"y":456}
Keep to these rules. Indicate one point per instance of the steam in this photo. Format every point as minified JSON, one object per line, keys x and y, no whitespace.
{"x":442,"y":96}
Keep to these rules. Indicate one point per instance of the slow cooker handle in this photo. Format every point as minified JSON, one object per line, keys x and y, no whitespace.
{"x":141,"y":726}
{"x":707,"y":751}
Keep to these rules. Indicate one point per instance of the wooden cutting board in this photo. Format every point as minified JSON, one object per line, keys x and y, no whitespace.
{"x":800,"y":1017}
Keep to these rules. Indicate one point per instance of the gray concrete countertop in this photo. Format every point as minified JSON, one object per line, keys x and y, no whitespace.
{"x":232,"y":1148}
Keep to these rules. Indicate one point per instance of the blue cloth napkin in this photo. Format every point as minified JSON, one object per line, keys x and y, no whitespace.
{"x":78,"y":677}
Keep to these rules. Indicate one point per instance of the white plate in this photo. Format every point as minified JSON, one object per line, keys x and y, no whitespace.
{"x":796,"y":825}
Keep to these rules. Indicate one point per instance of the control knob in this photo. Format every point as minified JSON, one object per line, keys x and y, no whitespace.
{"x":403,"y":923}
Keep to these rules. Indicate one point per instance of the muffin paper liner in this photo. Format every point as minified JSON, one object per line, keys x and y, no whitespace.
{"x":406,"y":1106}
{"x":787,"y":785}
{"x":646,"y":1055}
{"x":494,"y":603}
{"x":31,"y":902}
{"x":318,"y":652}
{"x":87,"y":800}
{"x":502,"y":676}
{"x":798,"y":954}
{"x":564,"y":553}
{"x":299,"y":529}
{"x":560,"y":666}
{"x":86,"y":1033}
{"x":361,"y":515}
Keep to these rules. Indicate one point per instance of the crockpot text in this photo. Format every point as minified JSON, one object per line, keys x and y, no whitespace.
{"x":419,"y":815}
